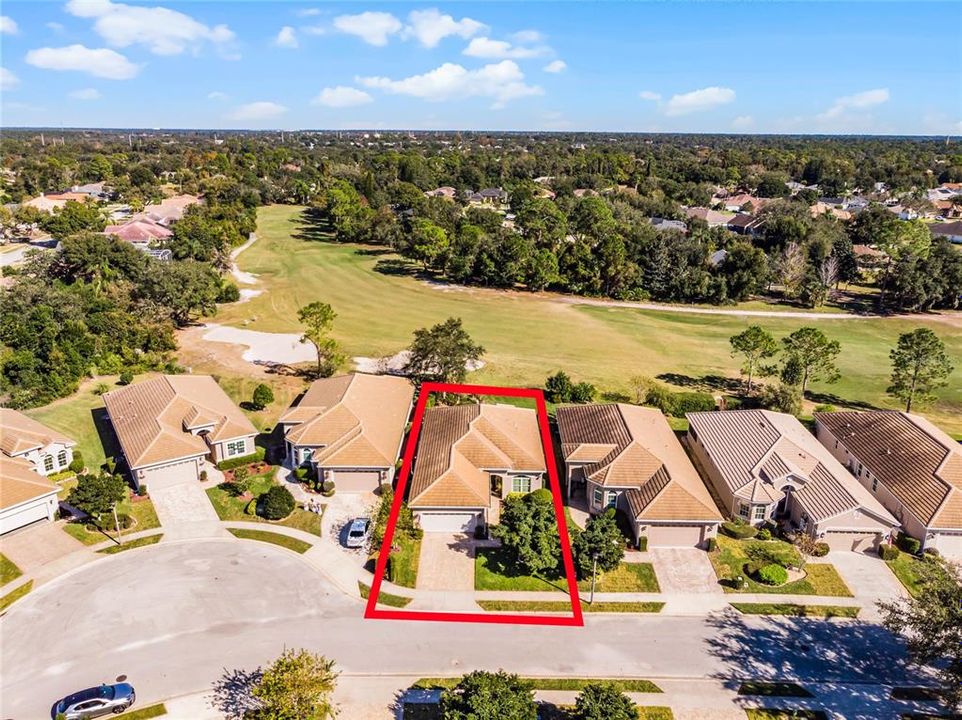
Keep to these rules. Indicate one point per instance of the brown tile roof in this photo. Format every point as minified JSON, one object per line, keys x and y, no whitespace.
{"x":754,"y":450}
{"x":19,"y":433}
{"x":356,"y":420}
{"x":19,"y":482}
{"x":458,"y":446}
{"x":918,"y":463}
{"x":643,"y":455}
{"x":151,"y":418}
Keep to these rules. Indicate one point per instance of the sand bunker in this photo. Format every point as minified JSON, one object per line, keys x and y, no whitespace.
{"x":263,"y":347}
{"x":394,"y":364}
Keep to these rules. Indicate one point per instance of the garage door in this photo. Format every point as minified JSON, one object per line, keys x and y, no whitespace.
{"x":356,"y":480}
{"x":674,"y":535}
{"x":448,"y":522}
{"x":949,"y":545}
{"x":169,"y":475}
{"x":13,"y":519}
{"x":855,"y":541}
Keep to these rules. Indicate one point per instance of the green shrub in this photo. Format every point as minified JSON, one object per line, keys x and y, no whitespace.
{"x":77,"y":464}
{"x":254,"y":457}
{"x":251,"y":508}
{"x":327,"y":488}
{"x":228,"y":293}
{"x":764,"y":534}
{"x":660,"y":397}
{"x":686,"y":402}
{"x":931,"y":552}
{"x":142,"y":490}
{"x":583,"y":392}
{"x":126,"y":377}
{"x":111,"y":465}
{"x":643,"y":543}
{"x":909,"y":544}
{"x":772,"y":575}
{"x":262,"y":397}
{"x":101,"y":388}
{"x":888,"y":552}
{"x":558,"y":387}
{"x":739,"y":529}
{"x":277,"y":503}
{"x":416,"y":533}
{"x":300,"y":473}
{"x":712,"y":544}
{"x":821,"y":549}
{"x":825,"y":408}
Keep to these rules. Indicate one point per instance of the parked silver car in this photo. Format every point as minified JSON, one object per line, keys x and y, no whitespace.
{"x":96,"y":702}
{"x":358,"y":532}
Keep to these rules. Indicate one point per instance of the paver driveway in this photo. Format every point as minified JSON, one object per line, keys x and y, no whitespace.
{"x":184,"y":510}
{"x":447,"y":562}
{"x":684,"y":570}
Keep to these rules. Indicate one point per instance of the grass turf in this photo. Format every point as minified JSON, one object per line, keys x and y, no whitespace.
{"x":495,"y":570}
{"x":404,"y":561}
{"x":139,"y":542}
{"x":638,"y":685}
{"x":825,"y":611}
{"x":14,"y":595}
{"x":151,"y":711}
{"x":289,"y":256}
{"x":383,"y":598}
{"x":231,"y":507}
{"x":8,"y":570}
{"x":773,"y":689}
{"x":627,"y":577}
{"x":909,"y":570}
{"x":298,"y":546}
{"x":565,"y":607}
{"x":730,"y":558}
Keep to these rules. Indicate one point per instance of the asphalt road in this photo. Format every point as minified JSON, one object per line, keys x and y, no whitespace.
{"x":174,"y":617}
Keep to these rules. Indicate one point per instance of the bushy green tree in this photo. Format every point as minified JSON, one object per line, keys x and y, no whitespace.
{"x":528,"y":531}
{"x":277,"y":503}
{"x":602,"y":540}
{"x":442,"y":353}
{"x":809,"y":355}
{"x":97,"y":493}
{"x":262,"y":396}
{"x":481,"y":695}
{"x":318,"y":319}
{"x":919,"y":366}
{"x":755,"y":346}
{"x":299,"y":685}
{"x":603,"y":701}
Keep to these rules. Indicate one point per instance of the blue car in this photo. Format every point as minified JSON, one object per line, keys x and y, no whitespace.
{"x":96,"y":702}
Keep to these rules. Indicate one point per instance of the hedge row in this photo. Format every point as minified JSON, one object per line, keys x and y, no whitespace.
{"x":233,"y":463}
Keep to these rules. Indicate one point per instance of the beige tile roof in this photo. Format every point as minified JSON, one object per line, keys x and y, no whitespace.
{"x":356,"y":420}
{"x":459,"y":445}
{"x":151,"y":418}
{"x":644,"y":455}
{"x":19,"y":482}
{"x":754,"y":451}
{"x":19,"y":433}
{"x":917,"y":462}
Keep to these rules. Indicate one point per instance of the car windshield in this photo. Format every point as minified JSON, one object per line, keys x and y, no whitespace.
{"x":357,"y":532}
{"x":106,"y":692}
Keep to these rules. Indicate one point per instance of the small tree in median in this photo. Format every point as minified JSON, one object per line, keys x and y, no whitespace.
{"x":262,"y":397}
{"x":919,"y":366}
{"x":483,"y":695}
{"x":601,"y":538}
{"x":603,"y":701}
{"x":529,"y":531}
{"x":296,"y":686}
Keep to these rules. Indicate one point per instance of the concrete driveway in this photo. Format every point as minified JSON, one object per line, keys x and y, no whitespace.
{"x":684,"y":571}
{"x":447,"y":562}
{"x":184,"y":510}
{"x":868,"y":577}
{"x":36,"y":545}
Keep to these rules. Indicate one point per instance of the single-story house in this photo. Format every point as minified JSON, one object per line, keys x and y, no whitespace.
{"x":48,"y":202}
{"x":911,"y":466}
{"x":29,"y":451}
{"x":949,"y":230}
{"x":765,"y":466}
{"x":714,"y":218}
{"x":745,"y":224}
{"x":169,"y":426}
{"x":628,"y":457}
{"x":445,"y":191}
{"x":349,"y":429}
{"x":660,"y":223}
{"x":168,"y":210}
{"x":469,"y":458}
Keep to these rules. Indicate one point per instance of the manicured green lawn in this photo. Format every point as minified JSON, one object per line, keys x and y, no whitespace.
{"x":908,"y":569}
{"x":494,"y":570}
{"x":565,"y":607}
{"x":231,"y":507}
{"x":636,"y":341}
{"x":404,"y":561}
{"x":142,"y":512}
{"x":151,"y":711}
{"x":139,"y":542}
{"x":773,"y":689}
{"x":731,"y":556}
{"x":285,"y":541}
{"x":627,"y":577}
{"x":826,"y":611}
{"x":383,"y":598}
{"x":14,"y":595}
{"x":8,"y":570}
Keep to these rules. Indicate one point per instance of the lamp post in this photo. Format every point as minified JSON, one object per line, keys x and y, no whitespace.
{"x":594,"y":573}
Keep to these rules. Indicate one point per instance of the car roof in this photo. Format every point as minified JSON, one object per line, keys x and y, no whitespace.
{"x":359,"y":523}
{"x":105,"y":691}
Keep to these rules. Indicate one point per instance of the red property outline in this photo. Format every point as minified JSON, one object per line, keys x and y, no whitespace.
{"x":373,"y":612}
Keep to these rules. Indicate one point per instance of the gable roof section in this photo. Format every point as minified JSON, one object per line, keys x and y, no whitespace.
{"x":918,"y":463}
{"x":355,"y":420}
{"x":642,"y":455}
{"x":461,"y":443}
{"x":20,"y":433}
{"x":758,"y":451}
{"x":151,"y":418}
{"x":19,"y":482}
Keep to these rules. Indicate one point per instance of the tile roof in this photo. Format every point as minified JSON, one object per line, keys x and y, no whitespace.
{"x":139,"y":231}
{"x":643,"y":454}
{"x":918,"y":463}
{"x":458,"y":446}
{"x":151,"y":418}
{"x":756,"y":450}
{"x":19,"y":433}
{"x":356,"y":420}
{"x":19,"y":482}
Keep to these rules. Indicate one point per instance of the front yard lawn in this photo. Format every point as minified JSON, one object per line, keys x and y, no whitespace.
{"x":151,"y":711}
{"x":141,"y":512}
{"x":824,"y":611}
{"x":494,"y":569}
{"x":730,"y":558}
{"x":284,"y":541}
{"x":229,"y":506}
{"x":627,"y":577}
{"x":908,"y":569}
{"x":404,"y":561}
{"x":8,"y":570}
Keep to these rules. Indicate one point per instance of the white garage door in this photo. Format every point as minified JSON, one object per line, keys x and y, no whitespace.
{"x":448,"y":522}
{"x":674,"y":535}
{"x":169,"y":475}
{"x":949,"y":545}
{"x":854,"y":541}
{"x":17,"y":518}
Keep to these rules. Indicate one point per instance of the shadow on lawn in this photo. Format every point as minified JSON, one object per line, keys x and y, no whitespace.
{"x":312,"y":226}
{"x":105,"y":432}
{"x":232,"y":693}
{"x":705,"y":383}
{"x":396,"y":267}
{"x":825,"y":398}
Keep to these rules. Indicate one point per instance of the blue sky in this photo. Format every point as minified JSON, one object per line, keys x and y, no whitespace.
{"x":664,"y":67}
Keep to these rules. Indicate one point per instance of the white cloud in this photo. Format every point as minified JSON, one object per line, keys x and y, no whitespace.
{"x":501,"y":82}
{"x":555,"y":66}
{"x":489,"y":49}
{"x":8,"y":80}
{"x":56,"y":27}
{"x":85,"y":94}
{"x":262,"y":110}
{"x":859,"y":101}
{"x":313,"y":29}
{"x":216,"y":95}
{"x":374,"y":28}
{"x":100,"y":62}
{"x":309,"y":12}
{"x":286,"y":38}
{"x":430,"y":27}
{"x":649,"y":95}
{"x":743,"y":122}
{"x":161,"y":30}
{"x":527,"y":36}
{"x":8,"y":26}
{"x":699,"y":100}
{"x":341,"y":97}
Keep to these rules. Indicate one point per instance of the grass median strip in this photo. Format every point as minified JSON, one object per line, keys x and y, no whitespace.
{"x":151,"y":711}
{"x":14,"y":595}
{"x":773,"y":689}
{"x":383,"y":598}
{"x":298,"y":546}
{"x":561,"y":606}
{"x":8,"y":570}
{"x":635,"y":685}
{"x":824,"y":611}
{"x":131,"y":544}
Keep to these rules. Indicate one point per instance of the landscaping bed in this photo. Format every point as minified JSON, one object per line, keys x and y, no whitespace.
{"x":732,"y":559}
{"x":229,"y":505}
{"x":634,"y":685}
{"x":284,"y":541}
